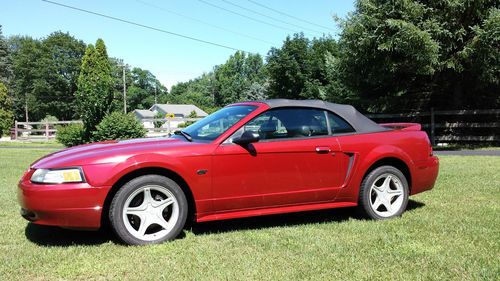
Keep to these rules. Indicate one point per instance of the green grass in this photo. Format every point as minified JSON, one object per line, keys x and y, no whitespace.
{"x":449,"y":233}
{"x":37,"y":144}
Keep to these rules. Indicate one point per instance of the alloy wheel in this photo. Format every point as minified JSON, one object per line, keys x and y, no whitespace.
{"x":150,"y":212}
{"x":386,"y":195}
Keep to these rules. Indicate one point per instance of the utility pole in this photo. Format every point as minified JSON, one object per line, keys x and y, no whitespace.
{"x":155,"y":93}
{"x":124,"y":91}
{"x":26,"y":107}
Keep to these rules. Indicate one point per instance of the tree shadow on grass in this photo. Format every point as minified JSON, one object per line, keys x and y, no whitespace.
{"x":50,"y":236}
{"x":282,"y":220}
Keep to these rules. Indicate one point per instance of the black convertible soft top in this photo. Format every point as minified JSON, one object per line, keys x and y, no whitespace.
{"x":358,"y":121}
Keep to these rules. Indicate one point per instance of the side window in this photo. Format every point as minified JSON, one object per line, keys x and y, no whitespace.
{"x":339,"y":125}
{"x":287,"y":123}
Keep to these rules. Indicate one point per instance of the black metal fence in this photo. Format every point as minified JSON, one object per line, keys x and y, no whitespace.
{"x":452,"y":126}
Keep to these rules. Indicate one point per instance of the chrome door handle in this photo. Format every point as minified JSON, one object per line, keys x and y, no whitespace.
{"x":323,"y":149}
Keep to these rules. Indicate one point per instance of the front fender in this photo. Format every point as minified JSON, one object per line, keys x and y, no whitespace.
{"x":108,"y":174}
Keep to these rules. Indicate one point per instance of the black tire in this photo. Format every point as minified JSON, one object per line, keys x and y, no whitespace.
{"x":118,"y":204}
{"x":366,"y":194}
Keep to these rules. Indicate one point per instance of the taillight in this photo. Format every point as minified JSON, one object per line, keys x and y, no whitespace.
{"x":431,"y":152}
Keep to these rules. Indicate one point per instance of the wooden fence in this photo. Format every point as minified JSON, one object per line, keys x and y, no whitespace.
{"x":45,"y":131}
{"x":447,"y":126}
{"x":37,"y":130}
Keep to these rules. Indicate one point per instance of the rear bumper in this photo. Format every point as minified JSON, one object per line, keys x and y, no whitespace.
{"x":425,"y":174}
{"x":67,"y":205}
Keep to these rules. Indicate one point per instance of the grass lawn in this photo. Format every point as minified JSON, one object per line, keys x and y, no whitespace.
{"x":449,"y":233}
{"x":37,"y":144}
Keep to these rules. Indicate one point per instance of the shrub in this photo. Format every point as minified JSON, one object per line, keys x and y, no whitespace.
{"x":6,"y":118}
{"x":188,"y":123}
{"x":71,"y":135}
{"x":158,"y":124}
{"x":6,"y":115}
{"x":49,"y":118}
{"x":119,"y":126}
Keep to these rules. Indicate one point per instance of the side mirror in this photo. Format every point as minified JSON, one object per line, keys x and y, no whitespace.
{"x":247,"y":138}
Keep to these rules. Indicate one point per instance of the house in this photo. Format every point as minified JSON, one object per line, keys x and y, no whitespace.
{"x":144,"y":116}
{"x":178,"y":110}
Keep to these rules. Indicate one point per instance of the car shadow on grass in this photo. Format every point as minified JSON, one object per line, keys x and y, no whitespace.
{"x":283,"y":220}
{"x":51,"y":236}
{"x":55,"y":236}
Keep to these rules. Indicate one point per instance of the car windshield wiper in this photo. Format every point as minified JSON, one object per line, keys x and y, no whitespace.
{"x":184,"y":134}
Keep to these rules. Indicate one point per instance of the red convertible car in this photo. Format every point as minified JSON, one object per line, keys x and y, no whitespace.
{"x":247,"y":159}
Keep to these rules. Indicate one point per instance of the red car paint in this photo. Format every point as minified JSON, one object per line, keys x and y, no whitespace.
{"x":285,"y":176}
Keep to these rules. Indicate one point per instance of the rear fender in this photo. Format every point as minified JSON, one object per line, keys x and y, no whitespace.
{"x":365,"y":162}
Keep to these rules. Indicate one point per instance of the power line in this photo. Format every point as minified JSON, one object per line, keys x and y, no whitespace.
{"x":288,"y":15}
{"x":202,"y":22}
{"x":245,"y":16}
{"x":145,"y":26}
{"x":269,"y":17}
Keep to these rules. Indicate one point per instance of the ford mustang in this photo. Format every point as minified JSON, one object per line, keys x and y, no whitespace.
{"x":247,"y":159}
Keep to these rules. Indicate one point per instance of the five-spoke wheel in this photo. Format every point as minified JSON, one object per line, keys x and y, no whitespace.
{"x":148,"y":209}
{"x":384,"y":193}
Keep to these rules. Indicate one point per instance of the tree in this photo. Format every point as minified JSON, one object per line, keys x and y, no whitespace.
{"x":117,"y":68}
{"x":297,"y":70}
{"x":235,"y":76}
{"x":44,"y":75}
{"x":412,"y":54}
{"x":485,"y":54}
{"x":5,"y":61}
{"x":145,"y":89}
{"x":288,"y":68}
{"x":6,"y":115}
{"x":95,"y":87}
{"x":62,"y":56}
{"x":199,"y":91}
{"x":26,"y":61}
{"x":256,"y":91}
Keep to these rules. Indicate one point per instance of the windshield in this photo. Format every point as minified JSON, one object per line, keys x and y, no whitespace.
{"x":212,"y":126}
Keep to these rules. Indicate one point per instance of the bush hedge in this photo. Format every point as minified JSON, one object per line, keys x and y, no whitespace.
{"x":71,"y":135}
{"x":119,"y":126}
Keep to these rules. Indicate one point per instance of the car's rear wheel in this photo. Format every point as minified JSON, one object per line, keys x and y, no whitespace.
{"x":147,"y":210}
{"x":384,"y":193}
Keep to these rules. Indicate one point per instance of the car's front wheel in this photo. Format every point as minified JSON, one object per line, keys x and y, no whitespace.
{"x":383,"y":193}
{"x":147,"y":210}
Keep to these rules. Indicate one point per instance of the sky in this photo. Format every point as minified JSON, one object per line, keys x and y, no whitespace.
{"x":237,"y":24}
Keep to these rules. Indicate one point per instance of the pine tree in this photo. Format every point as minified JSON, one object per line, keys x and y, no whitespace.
{"x":95,"y":87}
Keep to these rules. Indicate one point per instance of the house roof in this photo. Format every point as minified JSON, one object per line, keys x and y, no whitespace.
{"x":184,"y":109}
{"x":144,"y":113}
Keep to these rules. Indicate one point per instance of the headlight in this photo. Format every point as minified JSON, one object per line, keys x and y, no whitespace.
{"x":57,"y":175}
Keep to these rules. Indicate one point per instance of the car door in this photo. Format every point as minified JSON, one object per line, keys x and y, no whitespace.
{"x":294,"y":162}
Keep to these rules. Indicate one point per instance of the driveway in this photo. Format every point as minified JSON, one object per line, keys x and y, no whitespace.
{"x":468,"y":152}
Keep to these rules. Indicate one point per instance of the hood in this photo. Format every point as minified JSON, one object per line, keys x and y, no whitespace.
{"x":108,"y":152}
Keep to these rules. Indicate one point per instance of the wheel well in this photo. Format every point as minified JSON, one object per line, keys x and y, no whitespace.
{"x":149,"y":171}
{"x":396,"y":163}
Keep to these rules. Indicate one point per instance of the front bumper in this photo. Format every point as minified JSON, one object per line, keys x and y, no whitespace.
{"x":75,"y":205}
